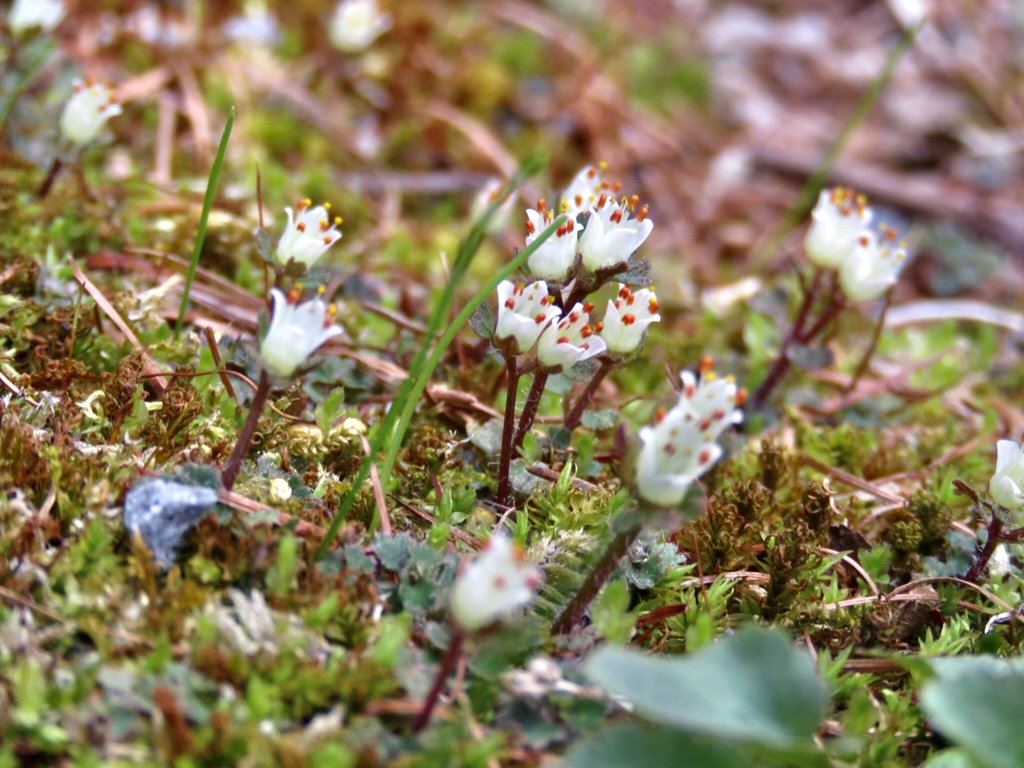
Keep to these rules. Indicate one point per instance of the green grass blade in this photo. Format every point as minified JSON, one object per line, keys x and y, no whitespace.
{"x":211,"y":189}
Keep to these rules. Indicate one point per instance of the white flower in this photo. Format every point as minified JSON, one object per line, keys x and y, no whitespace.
{"x":582,"y":191}
{"x":524,"y":311}
{"x":555,"y":255}
{"x":873,"y":266}
{"x":86,"y":112}
{"x":1008,"y":480}
{"x":308,"y":234}
{"x":356,"y":24}
{"x":611,"y":236}
{"x":295,"y":332}
{"x":499,"y":221}
{"x":26,"y":14}
{"x":565,"y":342}
{"x":674,"y":454}
{"x":627,"y":318}
{"x":713,"y":401}
{"x":837,"y":221}
{"x":494,"y":585}
{"x":909,"y":13}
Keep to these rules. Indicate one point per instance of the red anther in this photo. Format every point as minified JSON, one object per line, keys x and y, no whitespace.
{"x":294,"y":295}
{"x":864,"y":240}
{"x":542,"y":205}
{"x":578,"y":200}
{"x":570,"y":225}
{"x":301,"y":227}
{"x":624,"y":292}
{"x":634,"y":201}
{"x":705,"y":425}
{"x":741,"y":396}
{"x":584,"y":346}
{"x":518,"y":288}
{"x":706,"y":364}
{"x":598,"y":326}
{"x":586,"y":332}
{"x":616,"y":216}
{"x":670,"y":449}
{"x":602,"y":201}
{"x":510,"y":303}
{"x":547,"y":300}
{"x":530,"y":228}
{"x":690,"y":390}
{"x":718,"y":415}
{"x":562,"y":340}
{"x":591,"y":172}
{"x":328,"y":240}
{"x":588,"y":307}
{"x":616,"y":186}
{"x":540,"y":318}
{"x":659,"y":414}
{"x":574,"y":317}
{"x":628,"y":319}
{"x":642,"y":214}
{"x":704,"y":456}
{"x":630,"y":299}
{"x":561,"y":231}
{"x":652,"y":305}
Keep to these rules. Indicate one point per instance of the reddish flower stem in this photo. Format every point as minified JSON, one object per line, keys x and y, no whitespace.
{"x":572,"y":419}
{"x":259,"y":400}
{"x":526,"y":419}
{"x":448,"y":663}
{"x":508,"y":431}
{"x":596,"y":579}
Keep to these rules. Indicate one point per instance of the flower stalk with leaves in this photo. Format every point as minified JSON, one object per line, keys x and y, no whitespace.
{"x":674,"y":452}
{"x":295,"y":332}
{"x":852,"y":263}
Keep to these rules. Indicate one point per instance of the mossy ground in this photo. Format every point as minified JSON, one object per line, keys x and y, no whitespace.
{"x":250,"y":651}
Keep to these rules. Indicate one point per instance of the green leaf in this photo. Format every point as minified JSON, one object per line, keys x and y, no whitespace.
{"x":264,"y":245}
{"x":600,"y":419}
{"x":951,"y":758}
{"x":754,"y":687}
{"x":652,"y":747}
{"x":978,"y":703}
{"x":327,"y":412}
{"x":482,"y":321}
{"x":611,"y":614}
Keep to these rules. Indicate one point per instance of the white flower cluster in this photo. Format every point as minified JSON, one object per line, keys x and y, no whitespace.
{"x":841,"y":238}
{"x":604,"y":231}
{"x":308,"y":234}
{"x":495,"y":584}
{"x":87,"y":111}
{"x":682,"y":445}
{"x":1007,"y":485}
{"x":296,"y":331}
{"x":528,"y":315}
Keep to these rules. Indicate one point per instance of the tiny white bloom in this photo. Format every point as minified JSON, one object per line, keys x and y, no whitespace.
{"x":87,"y":110}
{"x":524,"y":311}
{"x":675,"y":452}
{"x":713,"y":401}
{"x":493,"y":585}
{"x":627,"y":318}
{"x":296,"y":331}
{"x":565,"y":342}
{"x":909,"y":13}
{"x":499,"y":221}
{"x":873,"y":266}
{"x":582,"y":191}
{"x":308,"y":234}
{"x":836,"y":223}
{"x":611,"y":236}
{"x":26,"y":14}
{"x":1007,"y":483}
{"x":555,"y":255}
{"x":356,"y":24}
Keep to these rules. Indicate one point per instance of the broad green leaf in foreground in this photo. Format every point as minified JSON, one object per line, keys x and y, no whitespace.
{"x":754,"y":687}
{"x":653,"y":747}
{"x":978,"y":703}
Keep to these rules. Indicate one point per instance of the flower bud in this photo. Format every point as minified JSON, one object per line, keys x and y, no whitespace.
{"x":87,"y":111}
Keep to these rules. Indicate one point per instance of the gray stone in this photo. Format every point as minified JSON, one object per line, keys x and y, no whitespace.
{"x":163,"y":511}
